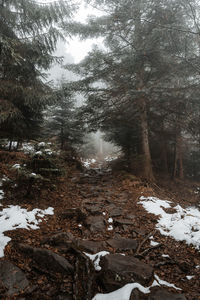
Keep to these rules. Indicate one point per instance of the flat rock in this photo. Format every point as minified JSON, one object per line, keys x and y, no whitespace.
{"x":118,"y":270}
{"x":48,"y":260}
{"x":59,"y":239}
{"x":73,"y":212}
{"x":12,"y":278}
{"x":115,"y":212}
{"x":90,"y":246}
{"x":122,"y":243}
{"x":123,"y":221}
{"x":162,"y":294}
{"x":95,"y":223}
{"x":94,"y":209}
{"x":138,"y":295}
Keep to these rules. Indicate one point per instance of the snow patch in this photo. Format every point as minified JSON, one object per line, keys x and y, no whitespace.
{"x":110,"y":228}
{"x":189,"y":277}
{"x":14,"y":217}
{"x":124,"y":293}
{"x":153,"y":244}
{"x":16,"y":166}
{"x":183,"y":225}
{"x":95,"y":258}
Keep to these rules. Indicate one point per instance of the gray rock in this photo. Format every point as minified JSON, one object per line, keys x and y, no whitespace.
{"x":137,"y":295}
{"x":116,"y":212}
{"x":118,"y":270}
{"x":162,"y":294}
{"x":12,"y":278}
{"x":59,"y":239}
{"x":48,"y":260}
{"x":123,"y":244}
{"x":124,"y":221}
{"x":90,"y":246}
{"x":94,"y":209}
{"x":95,"y":223}
{"x":73,"y":212}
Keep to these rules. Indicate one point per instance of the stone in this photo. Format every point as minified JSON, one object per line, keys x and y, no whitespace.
{"x":118,"y":270}
{"x":64,"y":297}
{"x":123,"y":221}
{"x":48,"y":260}
{"x":12,"y":278}
{"x":60,"y":239}
{"x":162,"y":294}
{"x":90,"y":246}
{"x":94,"y":209}
{"x":95,"y":223}
{"x":123,"y":243}
{"x":115,"y":212}
{"x":73,"y":212}
{"x":136,"y":294}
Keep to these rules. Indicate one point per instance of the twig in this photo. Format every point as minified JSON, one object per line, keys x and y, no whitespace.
{"x":144,"y":241}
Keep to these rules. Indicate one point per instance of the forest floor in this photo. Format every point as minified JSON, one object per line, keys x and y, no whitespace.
{"x":102,"y":206}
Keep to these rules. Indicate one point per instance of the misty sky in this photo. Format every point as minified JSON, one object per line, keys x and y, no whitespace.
{"x":74,"y":50}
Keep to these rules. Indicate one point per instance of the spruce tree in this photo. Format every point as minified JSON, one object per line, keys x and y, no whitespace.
{"x":147,"y":65}
{"x":29,"y":31}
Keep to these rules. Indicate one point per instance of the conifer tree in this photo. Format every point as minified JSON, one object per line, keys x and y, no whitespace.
{"x":29,"y":31}
{"x":147,"y":66}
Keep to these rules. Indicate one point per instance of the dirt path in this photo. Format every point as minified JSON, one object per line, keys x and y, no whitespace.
{"x":99,"y":211}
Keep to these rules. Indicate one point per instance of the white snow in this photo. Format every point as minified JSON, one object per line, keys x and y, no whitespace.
{"x":189,"y":277}
{"x":165,"y":283}
{"x":41,"y":144}
{"x":124,"y":293}
{"x":28,"y":148}
{"x":165,"y":255}
{"x":38,"y":153}
{"x":16,"y":166}
{"x":153,"y":244}
{"x":110,"y":228}
{"x":110,"y":220}
{"x":183,"y":225}
{"x":14,"y":217}
{"x":95,"y":258}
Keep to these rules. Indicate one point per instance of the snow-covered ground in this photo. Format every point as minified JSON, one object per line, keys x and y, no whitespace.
{"x":124,"y":293}
{"x":183,"y":225}
{"x":13,"y":217}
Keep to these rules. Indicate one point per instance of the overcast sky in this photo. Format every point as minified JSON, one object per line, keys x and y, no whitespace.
{"x":79,"y":49}
{"x":74,"y":50}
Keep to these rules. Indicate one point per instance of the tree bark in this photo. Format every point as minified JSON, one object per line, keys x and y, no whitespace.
{"x":178,"y":155}
{"x":147,"y":162}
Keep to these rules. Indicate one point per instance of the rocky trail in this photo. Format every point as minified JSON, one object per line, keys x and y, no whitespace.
{"x":99,"y":240}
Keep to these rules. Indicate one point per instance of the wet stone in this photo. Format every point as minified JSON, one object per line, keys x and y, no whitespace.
{"x":48,"y":260}
{"x":123,"y":243}
{"x":118,"y":270}
{"x":59,"y":239}
{"x":90,"y":246}
{"x":95,"y":223}
{"x":162,"y":294}
{"x":12,"y":278}
{"x":115,"y":212}
{"x":123,"y":221}
{"x":94,"y":209}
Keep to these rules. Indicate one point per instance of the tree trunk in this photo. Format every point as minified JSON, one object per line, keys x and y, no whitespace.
{"x":147,"y":163}
{"x":178,"y":155}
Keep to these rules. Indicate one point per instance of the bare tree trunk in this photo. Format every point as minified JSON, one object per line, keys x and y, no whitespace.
{"x":178,"y":155}
{"x":10,"y":145}
{"x":147,"y":167}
